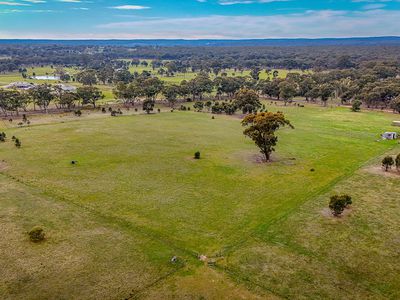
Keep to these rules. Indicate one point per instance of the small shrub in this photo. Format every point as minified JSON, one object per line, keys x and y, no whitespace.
{"x":197,"y":155}
{"x":213,"y":117}
{"x":397,"y":162}
{"x":18,"y":143}
{"x":3,"y":137}
{"x":103,"y":110}
{"x":356,"y":106}
{"x":136,"y":109}
{"x":158,"y":110}
{"x":13,"y":138}
{"x":78,"y":113}
{"x":338,"y":203}
{"x":387,"y":163}
{"x":36,"y":234}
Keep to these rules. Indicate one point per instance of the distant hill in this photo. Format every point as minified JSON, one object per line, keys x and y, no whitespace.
{"x":359,"y":41}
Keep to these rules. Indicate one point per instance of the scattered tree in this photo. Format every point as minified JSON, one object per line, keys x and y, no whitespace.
{"x":261,"y":128}
{"x":338,"y":203}
{"x":387,"y":163}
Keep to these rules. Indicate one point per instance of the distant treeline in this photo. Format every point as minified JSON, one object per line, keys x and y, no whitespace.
{"x":202,"y":58}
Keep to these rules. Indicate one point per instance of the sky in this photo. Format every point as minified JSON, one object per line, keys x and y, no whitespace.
{"x":197,"y":19}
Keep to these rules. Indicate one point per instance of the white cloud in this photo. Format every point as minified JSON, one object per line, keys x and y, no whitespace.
{"x":130,"y":7}
{"x":8,"y":3}
{"x":311,"y":24}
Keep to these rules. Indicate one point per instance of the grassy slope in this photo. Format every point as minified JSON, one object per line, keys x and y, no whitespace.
{"x":137,"y":172}
{"x":321,"y":257}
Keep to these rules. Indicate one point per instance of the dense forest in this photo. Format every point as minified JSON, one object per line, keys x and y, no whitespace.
{"x":199,"y":58}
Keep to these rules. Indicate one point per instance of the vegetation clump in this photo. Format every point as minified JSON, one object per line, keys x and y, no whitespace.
{"x":397,"y":162}
{"x":3,"y":137}
{"x":387,"y":163}
{"x":356,"y":106}
{"x":197,"y":155}
{"x":36,"y":234}
{"x":18,"y":143}
{"x":338,"y":203}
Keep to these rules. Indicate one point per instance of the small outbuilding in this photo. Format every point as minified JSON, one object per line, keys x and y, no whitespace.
{"x":389,"y":136}
{"x":396,"y":123}
{"x":20,"y":85}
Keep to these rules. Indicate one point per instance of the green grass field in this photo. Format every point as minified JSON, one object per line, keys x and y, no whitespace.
{"x":136,"y":198}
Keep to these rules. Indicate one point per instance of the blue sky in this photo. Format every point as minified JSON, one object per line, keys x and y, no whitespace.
{"x":193,"y":19}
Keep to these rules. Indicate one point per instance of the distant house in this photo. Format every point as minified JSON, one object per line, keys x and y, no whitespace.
{"x":396,"y":123}
{"x":66,"y":87}
{"x":20,"y":85}
{"x":389,"y":136}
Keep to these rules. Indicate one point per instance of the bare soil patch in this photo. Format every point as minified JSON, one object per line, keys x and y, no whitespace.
{"x":327,"y":213}
{"x":378,"y":170}
{"x":3,"y":165}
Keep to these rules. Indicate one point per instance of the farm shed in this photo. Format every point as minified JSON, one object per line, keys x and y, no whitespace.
{"x":396,"y":123}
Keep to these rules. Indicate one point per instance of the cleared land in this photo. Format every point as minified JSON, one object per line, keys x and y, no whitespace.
{"x":136,"y":198}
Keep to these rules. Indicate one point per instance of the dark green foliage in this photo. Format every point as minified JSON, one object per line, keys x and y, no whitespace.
{"x":247,"y":100}
{"x":261,"y":128}
{"x":148,"y":105}
{"x":18,"y":143}
{"x":338,"y":203}
{"x":78,"y":113}
{"x":36,"y":234}
{"x":356,"y":106}
{"x":3,"y":137}
{"x":89,"y":95}
{"x":387,"y":163}
{"x":198,"y":106}
{"x":397,"y":162}
{"x":197,"y":155}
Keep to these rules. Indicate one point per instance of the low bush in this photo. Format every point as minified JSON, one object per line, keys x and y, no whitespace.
{"x":338,"y":203}
{"x":36,"y":234}
{"x":197,"y":155}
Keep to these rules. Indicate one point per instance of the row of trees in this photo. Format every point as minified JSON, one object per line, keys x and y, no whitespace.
{"x":42,"y":96}
{"x":376,"y":86}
